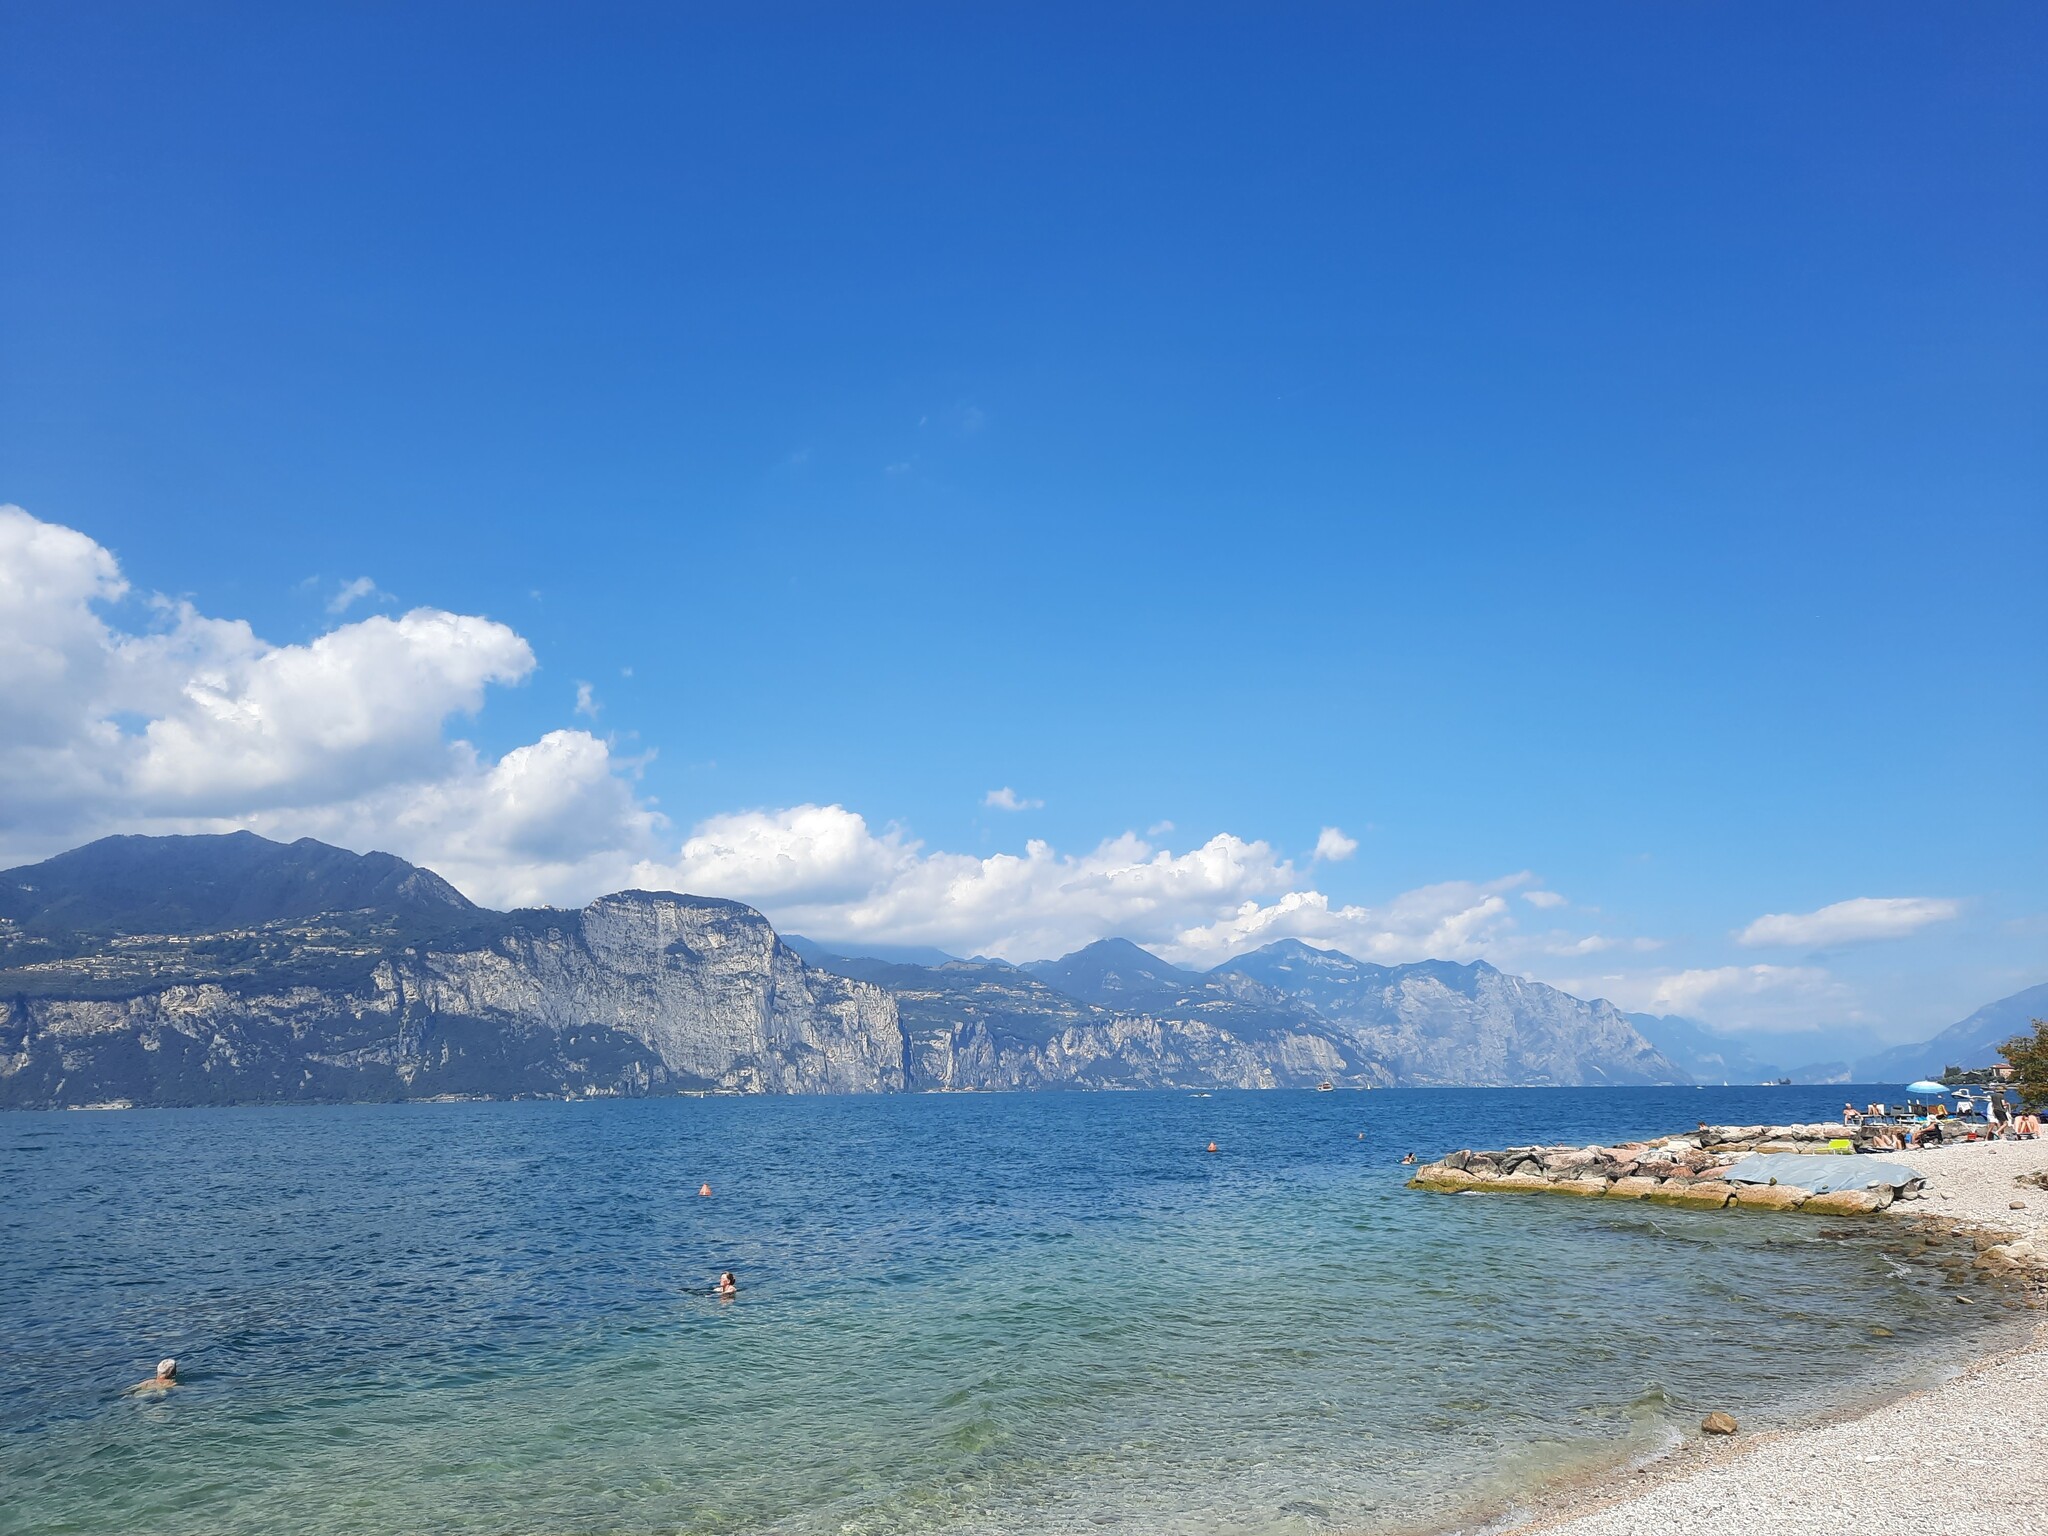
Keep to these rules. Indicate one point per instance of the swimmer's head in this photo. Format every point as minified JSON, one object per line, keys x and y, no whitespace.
{"x":166,"y":1369}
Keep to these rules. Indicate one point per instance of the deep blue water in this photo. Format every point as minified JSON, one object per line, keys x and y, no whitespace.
{"x":959,"y":1313}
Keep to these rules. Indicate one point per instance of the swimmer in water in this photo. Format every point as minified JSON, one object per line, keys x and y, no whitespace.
{"x":1408,"y":1159}
{"x":166,"y":1377}
{"x":728,"y":1284}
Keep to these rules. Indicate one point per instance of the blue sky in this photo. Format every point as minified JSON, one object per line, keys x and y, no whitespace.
{"x":1579,"y":449}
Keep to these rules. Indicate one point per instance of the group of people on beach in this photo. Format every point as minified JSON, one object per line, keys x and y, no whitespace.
{"x":2001,"y":1122}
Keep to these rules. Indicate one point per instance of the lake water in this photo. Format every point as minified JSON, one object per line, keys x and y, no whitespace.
{"x":961,"y":1314}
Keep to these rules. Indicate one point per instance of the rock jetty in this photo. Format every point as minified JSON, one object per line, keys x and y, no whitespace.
{"x":1691,"y":1171}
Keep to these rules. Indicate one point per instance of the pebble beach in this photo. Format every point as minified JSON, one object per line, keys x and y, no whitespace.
{"x":1969,"y":1454}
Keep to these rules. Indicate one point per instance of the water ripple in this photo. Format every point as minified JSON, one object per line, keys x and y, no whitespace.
{"x":960,"y":1315}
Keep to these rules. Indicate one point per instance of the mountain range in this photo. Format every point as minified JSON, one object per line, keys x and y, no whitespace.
{"x":1713,"y":1057}
{"x":231,"y":968}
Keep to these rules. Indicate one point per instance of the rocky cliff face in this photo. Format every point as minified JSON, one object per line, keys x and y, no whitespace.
{"x":637,"y":993}
{"x":704,"y":985}
{"x":216,"y":970}
{"x":1438,"y":1023}
{"x":982,"y":1025}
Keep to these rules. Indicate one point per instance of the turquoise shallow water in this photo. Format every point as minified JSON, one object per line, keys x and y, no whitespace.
{"x":960,"y":1314}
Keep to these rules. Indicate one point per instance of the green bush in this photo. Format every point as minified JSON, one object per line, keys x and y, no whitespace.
{"x":2029,"y":1057}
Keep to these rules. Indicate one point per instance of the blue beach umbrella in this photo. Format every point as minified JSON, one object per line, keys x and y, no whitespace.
{"x":1923,"y":1086}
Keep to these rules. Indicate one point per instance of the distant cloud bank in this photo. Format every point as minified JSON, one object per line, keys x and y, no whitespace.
{"x":1849,"y":922}
{"x":125,"y":711}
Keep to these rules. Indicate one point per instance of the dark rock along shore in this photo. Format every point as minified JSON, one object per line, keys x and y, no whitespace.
{"x":1688,"y":1171}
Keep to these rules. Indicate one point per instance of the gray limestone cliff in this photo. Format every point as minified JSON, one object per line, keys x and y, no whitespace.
{"x":1437,"y":1023}
{"x":206,"y":970}
{"x":637,"y":993}
{"x":987,"y":1025}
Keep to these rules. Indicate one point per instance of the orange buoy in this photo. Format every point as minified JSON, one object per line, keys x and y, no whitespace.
{"x":704,"y":1189}
{"x":1212,"y":1146}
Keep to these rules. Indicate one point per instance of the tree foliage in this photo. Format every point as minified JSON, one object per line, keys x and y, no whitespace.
{"x":2029,"y":1057}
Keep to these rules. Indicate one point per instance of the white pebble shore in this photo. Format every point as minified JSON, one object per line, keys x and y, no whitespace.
{"x":1967,"y":1456}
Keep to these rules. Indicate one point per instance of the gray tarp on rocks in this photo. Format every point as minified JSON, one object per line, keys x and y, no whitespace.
{"x":1819,"y":1171}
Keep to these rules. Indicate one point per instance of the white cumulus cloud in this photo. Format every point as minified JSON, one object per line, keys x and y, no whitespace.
{"x":1543,"y":899}
{"x":1007,"y":799}
{"x":554,"y":822}
{"x":823,"y":871}
{"x":173,"y":720}
{"x":1451,"y":920}
{"x":1849,"y":922}
{"x":1333,"y":847}
{"x":122,"y":711}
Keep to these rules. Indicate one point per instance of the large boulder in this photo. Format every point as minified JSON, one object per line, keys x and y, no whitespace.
{"x":1635,"y":1187}
{"x":1772,"y":1197}
{"x":1448,"y":1180}
{"x":1590,"y":1187}
{"x":1698,"y":1195}
{"x":1571,"y":1157}
{"x":1847,"y":1202}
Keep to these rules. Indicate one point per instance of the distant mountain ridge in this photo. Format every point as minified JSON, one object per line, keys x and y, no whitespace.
{"x":1114,"y":973}
{"x":1973,"y":1042}
{"x":1703,"y":1054}
{"x":201,"y":884}
{"x":233,"y":968}
{"x":1437,"y":1022}
{"x":1713,"y":1056}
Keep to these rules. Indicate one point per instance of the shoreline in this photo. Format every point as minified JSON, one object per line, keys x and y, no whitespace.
{"x":1971,"y":1447}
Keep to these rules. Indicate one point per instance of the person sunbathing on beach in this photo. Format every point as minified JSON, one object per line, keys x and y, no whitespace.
{"x":2028,"y":1126}
{"x":166,"y":1377}
{"x":728,"y":1284}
